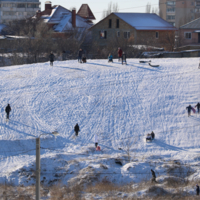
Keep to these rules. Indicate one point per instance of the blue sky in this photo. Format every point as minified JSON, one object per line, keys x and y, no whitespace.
{"x":97,"y":7}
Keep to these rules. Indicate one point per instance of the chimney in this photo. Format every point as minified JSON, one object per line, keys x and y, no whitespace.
{"x":74,"y":17}
{"x":48,"y":5}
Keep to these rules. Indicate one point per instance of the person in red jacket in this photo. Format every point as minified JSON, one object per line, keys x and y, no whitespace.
{"x":119,"y":53}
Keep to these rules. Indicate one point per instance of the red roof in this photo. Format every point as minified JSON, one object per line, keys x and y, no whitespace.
{"x":85,"y":12}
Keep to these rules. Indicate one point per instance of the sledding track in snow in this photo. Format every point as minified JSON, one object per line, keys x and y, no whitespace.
{"x":117,"y":102}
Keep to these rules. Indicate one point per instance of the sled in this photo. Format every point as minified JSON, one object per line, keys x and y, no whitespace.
{"x":149,"y":138}
{"x":142,"y":61}
{"x":154,"y":65}
{"x":193,"y":110}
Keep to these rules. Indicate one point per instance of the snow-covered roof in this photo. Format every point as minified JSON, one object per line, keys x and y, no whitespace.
{"x":61,"y":17}
{"x":65,"y":20}
{"x":145,"y":21}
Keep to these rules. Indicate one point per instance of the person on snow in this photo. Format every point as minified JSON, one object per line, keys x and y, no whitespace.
{"x":84,"y":58}
{"x":153,"y":176}
{"x":96,"y":140}
{"x":152,"y":135}
{"x":198,"y":107}
{"x":76,"y":129}
{"x":189,"y":108}
{"x":80,"y":53}
{"x":7,"y":110}
{"x":98,"y":148}
{"x":197,"y":190}
{"x":119,"y":53}
{"x":123,"y":58}
{"x":110,"y":58}
{"x":51,"y":58}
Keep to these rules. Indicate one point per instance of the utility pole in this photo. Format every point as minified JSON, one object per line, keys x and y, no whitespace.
{"x":37,"y":168}
{"x":37,"y":186}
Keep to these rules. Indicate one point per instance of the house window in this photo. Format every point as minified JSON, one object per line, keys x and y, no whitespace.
{"x":170,"y":10}
{"x":157,"y":35}
{"x":127,"y":34}
{"x":170,"y":17}
{"x":188,"y":35}
{"x":118,"y":33}
{"x":21,"y":5}
{"x":171,"y":3}
{"x":110,"y":23}
{"x":103,"y":34}
{"x":32,"y":5}
{"x":117,"y":23}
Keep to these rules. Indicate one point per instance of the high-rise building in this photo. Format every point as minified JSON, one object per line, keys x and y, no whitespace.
{"x":17,"y":9}
{"x":179,"y":12}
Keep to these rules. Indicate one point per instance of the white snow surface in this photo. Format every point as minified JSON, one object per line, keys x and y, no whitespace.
{"x":119,"y":103}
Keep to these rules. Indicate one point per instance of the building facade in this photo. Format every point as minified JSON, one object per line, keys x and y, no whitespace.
{"x":179,"y":12}
{"x":140,"y":28}
{"x":189,"y":34}
{"x":17,"y":9}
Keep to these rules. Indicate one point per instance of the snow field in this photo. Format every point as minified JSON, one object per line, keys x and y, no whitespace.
{"x":120,"y":103}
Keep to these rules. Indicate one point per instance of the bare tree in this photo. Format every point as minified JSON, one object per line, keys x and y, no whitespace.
{"x":112,"y":7}
{"x":127,"y":147}
{"x":148,"y":8}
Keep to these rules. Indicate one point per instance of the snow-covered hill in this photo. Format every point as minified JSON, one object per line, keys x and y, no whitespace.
{"x":120,"y":103}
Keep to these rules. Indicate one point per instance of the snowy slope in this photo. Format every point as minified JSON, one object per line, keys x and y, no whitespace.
{"x":119,"y":103}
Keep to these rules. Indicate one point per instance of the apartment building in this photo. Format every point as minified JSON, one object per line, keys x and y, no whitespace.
{"x":179,"y":12}
{"x":17,"y":9}
{"x":167,"y":10}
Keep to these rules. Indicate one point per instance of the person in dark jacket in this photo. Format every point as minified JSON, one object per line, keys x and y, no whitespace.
{"x":153,"y":176}
{"x":197,"y":190}
{"x":84,"y":59}
{"x":198,"y":107}
{"x":7,"y":110}
{"x":119,"y":53}
{"x":80,"y":53}
{"x":189,"y":108}
{"x":152,"y":135}
{"x":51,"y":58}
{"x":76,"y":129}
{"x":123,"y":58}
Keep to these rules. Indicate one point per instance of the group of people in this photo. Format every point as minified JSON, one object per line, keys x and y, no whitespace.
{"x":190,"y":108}
{"x":82,"y":57}
{"x":121,"y":56}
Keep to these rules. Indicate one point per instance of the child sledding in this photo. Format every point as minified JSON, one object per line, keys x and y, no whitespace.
{"x":150,"y":137}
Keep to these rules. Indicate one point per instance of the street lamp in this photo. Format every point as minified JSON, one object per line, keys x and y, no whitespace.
{"x":55,"y":133}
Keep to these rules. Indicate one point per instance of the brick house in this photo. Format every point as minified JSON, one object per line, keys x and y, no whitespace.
{"x":142,"y":28}
{"x":189,"y":34}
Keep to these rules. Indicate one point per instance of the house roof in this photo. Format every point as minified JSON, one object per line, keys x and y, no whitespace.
{"x":143,"y":21}
{"x":85,"y":12}
{"x":61,"y":18}
{"x":195,"y":24}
